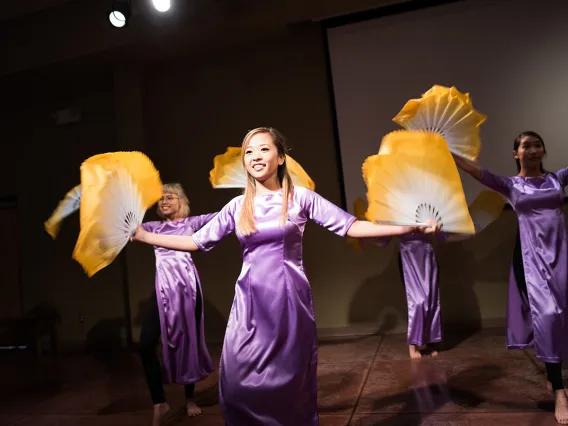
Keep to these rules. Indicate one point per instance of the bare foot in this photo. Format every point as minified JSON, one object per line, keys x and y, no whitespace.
{"x":549,"y":386}
{"x":414,"y":352}
{"x":160,"y":411}
{"x":192,"y":409}
{"x":561,"y":407}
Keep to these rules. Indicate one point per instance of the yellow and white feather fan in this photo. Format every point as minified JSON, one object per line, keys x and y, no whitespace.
{"x":447,"y":111}
{"x":414,"y":180}
{"x":117,"y":189}
{"x":67,"y":206}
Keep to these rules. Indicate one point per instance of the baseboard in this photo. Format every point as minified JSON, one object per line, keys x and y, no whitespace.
{"x":370,"y":329}
{"x":355,"y":330}
{"x":333,"y":333}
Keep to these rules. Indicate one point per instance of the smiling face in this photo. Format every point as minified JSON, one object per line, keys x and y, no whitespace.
{"x":530,"y":152}
{"x":169,"y":205}
{"x":261,"y":158}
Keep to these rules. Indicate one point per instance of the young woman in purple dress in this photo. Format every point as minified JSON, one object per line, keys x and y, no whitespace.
{"x":269,"y":358}
{"x":537,"y":312}
{"x":418,"y":268}
{"x":419,"y":272}
{"x":176,"y":313}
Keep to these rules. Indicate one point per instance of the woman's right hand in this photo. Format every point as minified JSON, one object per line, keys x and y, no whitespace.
{"x":139,"y":234}
{"x":468,"y":166}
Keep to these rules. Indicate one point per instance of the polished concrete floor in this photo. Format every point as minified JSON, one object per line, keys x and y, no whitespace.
{"x":366,"y":381}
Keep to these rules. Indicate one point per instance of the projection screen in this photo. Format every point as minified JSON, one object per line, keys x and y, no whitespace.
{"x":510,"y":55}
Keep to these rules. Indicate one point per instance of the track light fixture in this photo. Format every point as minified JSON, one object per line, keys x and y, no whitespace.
{"x":120,"y":12}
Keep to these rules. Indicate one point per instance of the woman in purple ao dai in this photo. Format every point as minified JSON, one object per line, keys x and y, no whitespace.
{"x":537,"y":312}
{"x":269,"y":358}
{"x":176,"y":311}
{"x":419,"y":272}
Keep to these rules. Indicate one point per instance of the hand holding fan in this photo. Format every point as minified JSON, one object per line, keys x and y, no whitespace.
{"x":66,"y":207}
{"x":228,"y":171}
{"x":118,"y":188}
{"x":414,"y":180}
{"x":447,"y":111}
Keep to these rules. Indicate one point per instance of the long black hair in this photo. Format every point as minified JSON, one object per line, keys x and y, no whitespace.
{"x":517,"y":143}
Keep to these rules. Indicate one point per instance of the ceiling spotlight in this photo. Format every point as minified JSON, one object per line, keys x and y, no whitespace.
{"x":120,"y":12}
{"x":162,"y":5}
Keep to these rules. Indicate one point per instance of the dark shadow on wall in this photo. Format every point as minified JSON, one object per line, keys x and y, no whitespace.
{"x":460,"y":310}
{"x":380,"y":300}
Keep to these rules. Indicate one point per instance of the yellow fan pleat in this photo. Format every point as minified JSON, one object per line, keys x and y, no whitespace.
{"x":228,"y":171}
{"x":90,"y":251}
{"x":366,"y":168}
{"x":67,"y":206}
{"x":414,"y":179}
{"x":299,"y":175}
{"x":360,"y":208}
{"x":359,"y":211}
{"x":449,"y":112}
{"x":486,"y":208}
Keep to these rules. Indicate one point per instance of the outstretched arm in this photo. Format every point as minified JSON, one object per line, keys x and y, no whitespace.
{"x":218,"y":226}
{"x":468,"y":166}
{"x":171,"y":242}
{"x":344,"y":224}
{"x":497,"y":183}
{"x":562,"y":176}
{"x":364,"y":229}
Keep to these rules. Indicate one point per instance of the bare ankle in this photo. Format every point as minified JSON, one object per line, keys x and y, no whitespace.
{"x":192,"y":408}
{"x":160,"y":411}
{"x":414,"y":351}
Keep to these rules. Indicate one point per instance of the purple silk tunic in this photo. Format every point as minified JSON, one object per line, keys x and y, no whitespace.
{"x":542,"y":320}
{"x":269,"y":358}
{"x":420,"y":273}
{"x":185,"y":356}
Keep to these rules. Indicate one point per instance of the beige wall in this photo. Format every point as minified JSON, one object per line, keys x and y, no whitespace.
{"x":182,"y":114}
